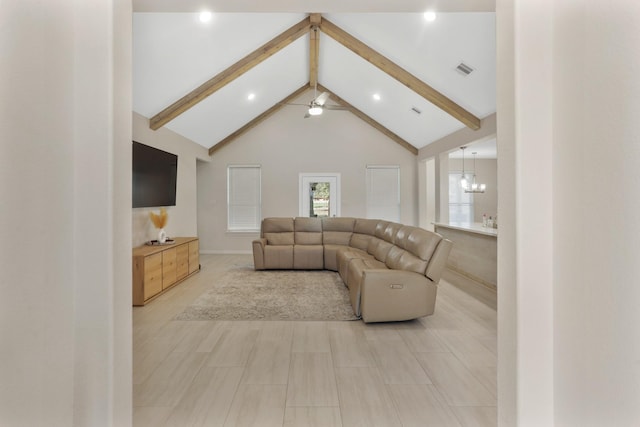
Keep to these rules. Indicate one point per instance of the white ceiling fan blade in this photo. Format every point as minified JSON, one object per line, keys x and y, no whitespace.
{"x":335,"y":107}
{"x":322,"y":98}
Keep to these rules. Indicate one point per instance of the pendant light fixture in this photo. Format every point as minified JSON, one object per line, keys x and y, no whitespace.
{"x":473,"y":186}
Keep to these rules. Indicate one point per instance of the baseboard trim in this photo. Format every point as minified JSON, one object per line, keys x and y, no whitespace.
{"x":224,"y":252}
{"x":480,"y":291}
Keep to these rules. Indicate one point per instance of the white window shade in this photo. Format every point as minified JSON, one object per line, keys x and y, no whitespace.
{"x":460,"y":203}
{"x":243,"y":198}
{"x":383,"y":192}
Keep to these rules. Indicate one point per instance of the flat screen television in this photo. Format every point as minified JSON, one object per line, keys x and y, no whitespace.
{"x":154,"y":177}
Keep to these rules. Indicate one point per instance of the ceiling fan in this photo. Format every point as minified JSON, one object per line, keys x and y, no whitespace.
{"x":318,"y":105}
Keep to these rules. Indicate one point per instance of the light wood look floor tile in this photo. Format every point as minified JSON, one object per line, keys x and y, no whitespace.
{"x":312,"y":381}
{"x":167,"y":384}
{"x":419,"y":338}
{"x":397,"y":364}
{"x":422,"y":405}
{"x":456,"y":383}
{"x":257,"y":406}
{"x":311,"y":337}
{"x":150,"y":415}
{"x":208,"y":399}
{"x":477,"y":416}
{"x":312,"y":417}
{"x":268,"y":364}
{"x":287,"y":373}
{"x":349,"y":347}
{"x":364,"y":399}
{"x":233,"y":348}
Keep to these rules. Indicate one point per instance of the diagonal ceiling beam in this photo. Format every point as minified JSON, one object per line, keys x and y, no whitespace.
{"x":314,"y":48}
{"x":259,"y":119}
{"x":230,"y":74}
{"x":400,"y":74}
{"x":400,"y":141}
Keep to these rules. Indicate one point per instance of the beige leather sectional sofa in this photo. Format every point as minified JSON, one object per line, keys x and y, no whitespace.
{"x":391,"y":270}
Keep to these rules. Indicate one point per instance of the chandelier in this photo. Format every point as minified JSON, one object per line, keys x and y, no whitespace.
{"x":470,"y":187}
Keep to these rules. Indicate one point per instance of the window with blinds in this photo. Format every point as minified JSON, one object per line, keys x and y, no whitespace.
{"x":460,"y":203}
{"x":243,"y":198}
{"x":383,"y":192}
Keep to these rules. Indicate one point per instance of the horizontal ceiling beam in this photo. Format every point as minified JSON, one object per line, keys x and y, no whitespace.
{"x":230,"y":74}
{"x":259,"y":119}
{"x":400,"y":74}
{"x":397,"y":139}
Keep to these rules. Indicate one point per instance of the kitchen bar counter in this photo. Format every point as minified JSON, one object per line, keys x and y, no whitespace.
{"x":474,"y":253}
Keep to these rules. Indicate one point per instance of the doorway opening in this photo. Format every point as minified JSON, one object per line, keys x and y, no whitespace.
{"x":319,"y":195}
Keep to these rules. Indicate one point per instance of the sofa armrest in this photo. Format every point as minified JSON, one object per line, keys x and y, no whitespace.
{"x":258,"y":253}
{"x":438,"y":261}
{"x":395,"y":295}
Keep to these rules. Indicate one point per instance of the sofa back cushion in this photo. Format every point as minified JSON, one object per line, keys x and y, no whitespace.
{"x":337,"y":231}
{"x":308,"y":231}
{"x":402,"y":236}
{"x":278,"y":231}
{"x":380,"y":229}
{"x":365,"y":226}
{"x":422,"y":243}
{"x":390,"y":232}
{"x":379,"y":248}
{"x":363,"y":230}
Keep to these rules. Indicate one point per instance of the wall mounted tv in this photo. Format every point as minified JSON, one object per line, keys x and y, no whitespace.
{"x":154,"y":177}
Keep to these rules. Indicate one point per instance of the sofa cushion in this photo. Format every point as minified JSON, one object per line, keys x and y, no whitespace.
{"x":403,"y":235}
{"x":379,"y":249}
{"x":308,"y":257}
{"x":278,"y":257}
{"x":308,"y":231}
{"x":344,"y":256}
{"x":365,"y":226}
{"x":278,"y":231}
{"x":393,"y":257}
{"x":380,"y":229}
{"x":390,"y":231}
{"x":338,"y":224}
{"x":410,"y":262}
{"x":422,"y":243}
{"x":360,"y":241}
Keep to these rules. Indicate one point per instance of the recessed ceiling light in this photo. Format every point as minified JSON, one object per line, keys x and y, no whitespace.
{"x":205,"y":16}
{"x":376,"y":96}
{"x":430,"y":16}
{"x":251,"y":96}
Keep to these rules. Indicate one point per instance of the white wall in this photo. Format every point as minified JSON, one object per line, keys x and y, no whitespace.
{"x":286,"y":145}
{"x":183,"y":216}
{"x":569,"y":342}
{"x":596,"y":140}
{"x":65,"y":305}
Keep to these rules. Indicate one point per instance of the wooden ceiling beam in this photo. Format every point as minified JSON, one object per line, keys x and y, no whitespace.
{"x":259,"y":119}
{"x":314,"y":48}
{"x":400,"y":74}
{"x":397,"y":139}
{"x":233,"y":72}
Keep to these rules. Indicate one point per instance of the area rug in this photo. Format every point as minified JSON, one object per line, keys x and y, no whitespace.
{"x":246,"y":294}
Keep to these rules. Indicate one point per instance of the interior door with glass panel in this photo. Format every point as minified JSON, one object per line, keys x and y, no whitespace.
{"x":319,"y":195}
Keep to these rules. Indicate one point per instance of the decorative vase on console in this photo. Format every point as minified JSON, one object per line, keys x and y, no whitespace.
{"x":160,"y":220}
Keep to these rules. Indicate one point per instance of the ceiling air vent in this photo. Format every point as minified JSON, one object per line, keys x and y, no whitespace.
{"x":464,"y":69}
{"x":415,"y":110}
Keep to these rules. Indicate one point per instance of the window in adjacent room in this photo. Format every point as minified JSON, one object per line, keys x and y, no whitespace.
{"x":460,"y":203}
{"x":243,"y":198}
{"x":383,"y":192}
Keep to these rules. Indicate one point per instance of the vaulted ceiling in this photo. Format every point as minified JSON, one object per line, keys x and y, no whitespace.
{"x":195,"y":77}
